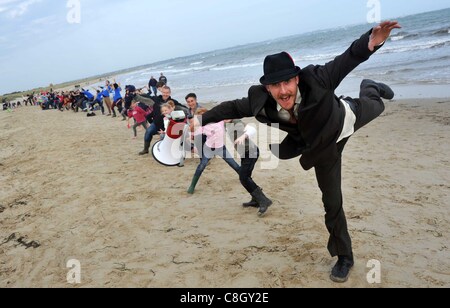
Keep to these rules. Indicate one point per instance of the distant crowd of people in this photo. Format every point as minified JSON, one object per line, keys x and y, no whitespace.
{"x":84,"y":100}
{"x":153,"y":112}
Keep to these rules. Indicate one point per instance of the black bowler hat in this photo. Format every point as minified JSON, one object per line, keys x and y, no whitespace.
{"x":279,"y":67}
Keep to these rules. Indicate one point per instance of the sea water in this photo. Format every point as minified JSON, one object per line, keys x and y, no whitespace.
{"x":415,"y":61}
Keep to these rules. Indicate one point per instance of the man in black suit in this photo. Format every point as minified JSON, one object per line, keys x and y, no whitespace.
{"x":302,"y":102}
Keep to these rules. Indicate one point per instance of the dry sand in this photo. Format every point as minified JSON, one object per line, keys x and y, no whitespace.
{"x":74,"y":188}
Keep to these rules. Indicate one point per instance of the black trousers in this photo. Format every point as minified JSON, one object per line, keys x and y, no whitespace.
{"x":248,"y":162}
{"x":368,"y":107}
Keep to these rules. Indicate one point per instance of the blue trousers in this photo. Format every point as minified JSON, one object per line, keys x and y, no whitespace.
{"x":150,"y":132}
{"x":209,"y":153}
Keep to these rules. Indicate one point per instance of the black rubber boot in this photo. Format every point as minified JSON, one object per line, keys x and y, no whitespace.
{"x":146,"y":147}
{"x":262,"y":200}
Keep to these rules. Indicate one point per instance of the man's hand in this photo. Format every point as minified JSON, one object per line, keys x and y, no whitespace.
{"x":381,"y":33}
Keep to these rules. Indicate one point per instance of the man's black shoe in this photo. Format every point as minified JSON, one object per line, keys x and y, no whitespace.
{"x":385,"y":91}
{"x":341,"y":270}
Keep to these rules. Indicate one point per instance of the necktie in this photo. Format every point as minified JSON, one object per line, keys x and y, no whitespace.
{"x":292,"y":119}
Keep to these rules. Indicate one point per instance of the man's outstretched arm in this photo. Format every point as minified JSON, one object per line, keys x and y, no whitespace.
{"x":332,"y":73}
{"x":236,"y":109}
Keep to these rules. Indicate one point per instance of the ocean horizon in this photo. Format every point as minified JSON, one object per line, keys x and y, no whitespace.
{"x":415,"y":61}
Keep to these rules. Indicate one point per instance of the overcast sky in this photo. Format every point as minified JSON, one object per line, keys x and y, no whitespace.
{"x":38,"y":45}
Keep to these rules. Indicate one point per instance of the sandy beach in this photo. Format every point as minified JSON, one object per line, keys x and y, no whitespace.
{"x":74,"y":188}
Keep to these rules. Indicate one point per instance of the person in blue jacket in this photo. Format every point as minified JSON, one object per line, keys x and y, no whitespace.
{"x":118,"y":100}
{"x":99,"y":100}
{"x":106,"y":90}
{"x":89,"y":98}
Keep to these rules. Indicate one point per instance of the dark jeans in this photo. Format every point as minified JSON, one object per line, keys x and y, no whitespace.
{"x":86,"y":103}
{"x":118,"y":104}
{"x":100,"y":103}
{"x":124,"y":113}
{"x":150,"y":132}
{"x":368,"y":107}
{"x":247,"y":167}
{"x":208,"y":154}
{"x":199,"y":143}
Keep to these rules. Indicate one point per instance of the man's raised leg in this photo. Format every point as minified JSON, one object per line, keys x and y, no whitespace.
{"x":370,"y":104}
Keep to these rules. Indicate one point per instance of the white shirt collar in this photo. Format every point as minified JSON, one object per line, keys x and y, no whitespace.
{"x":284,"y":114}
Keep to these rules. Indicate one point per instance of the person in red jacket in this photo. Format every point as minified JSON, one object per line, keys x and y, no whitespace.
{"x":139,"y":116}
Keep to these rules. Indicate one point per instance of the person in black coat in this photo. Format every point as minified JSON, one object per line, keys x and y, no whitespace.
{"x":152,"y":86}
{"x":163,"y":79}
{"x":156,"y":119}
{"x":302,"y":102}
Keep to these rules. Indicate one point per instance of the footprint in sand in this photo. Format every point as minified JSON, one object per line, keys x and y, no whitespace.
{"x":22,"y":241}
